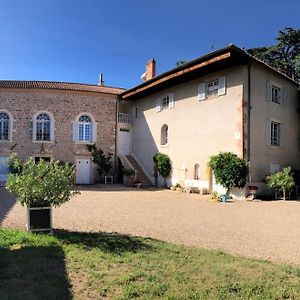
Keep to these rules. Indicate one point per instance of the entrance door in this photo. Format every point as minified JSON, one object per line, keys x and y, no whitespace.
{"x":83,"y":171}
{"x":124,"y":141}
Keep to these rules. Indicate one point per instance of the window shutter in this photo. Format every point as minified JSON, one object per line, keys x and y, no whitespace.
{"x":222,"y":86}
{"x":158,"y":105}
{"x":269,"y":91}
{"x":282,"y":135}
{"x":52,"y":130}
{"x":94,"y":132}
{"x":75,"y":131}
{"x":283,"y":95}
{"x":33,"y":129}
{"x":171,"y":100}
{"x":202,"y":91}
{"x":268,"y":132}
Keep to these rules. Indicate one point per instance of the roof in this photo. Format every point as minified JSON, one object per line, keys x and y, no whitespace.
{"x":53,"y":85}
{"x":219,"y":59}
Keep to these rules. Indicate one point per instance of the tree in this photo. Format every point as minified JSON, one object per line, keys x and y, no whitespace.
{"x":103,"y":161}
{"x":281,"y":181}
{"x":229,"y":170}
{"x":285,"y":55}
{"x":41,"y":184}
{"x":163,"y":164}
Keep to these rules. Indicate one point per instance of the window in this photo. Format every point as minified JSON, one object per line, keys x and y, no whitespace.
{"x":197,"y":171}
{"x":43,"y":127}
{"x":276,"y":94}
{"x":164,"y":135}
{"x":4,"y":126}
{"x":84,"y":129}
{"x":165,"y":102}
{"x":136,"y":112}
{"x":275,"y":133}
{"x":274,"y":167}
{"x":212,"y":88}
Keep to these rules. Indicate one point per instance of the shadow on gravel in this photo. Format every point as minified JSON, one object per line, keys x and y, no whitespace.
{"x":32,"y":273}
{"x":106,"y":242}
{"x":7,"y":201}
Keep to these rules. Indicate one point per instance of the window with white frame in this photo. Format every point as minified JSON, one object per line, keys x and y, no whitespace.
{"x":275,"y":133}
{"x":165,"y":102}
{"x":212,"y":88}
{"x":276,"y":92}
{"x":84,"y":129}
{"x":164,"y":135}
{"x":42,"y":127}
{"x":4,"y":126}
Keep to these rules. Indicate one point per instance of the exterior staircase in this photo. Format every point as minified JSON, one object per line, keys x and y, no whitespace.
{"x":140,"y":175}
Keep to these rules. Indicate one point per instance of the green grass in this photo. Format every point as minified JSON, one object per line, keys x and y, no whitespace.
{"x":72,"y":265}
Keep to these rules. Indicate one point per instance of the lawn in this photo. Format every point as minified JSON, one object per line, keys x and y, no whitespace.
{"x":72,"y":265}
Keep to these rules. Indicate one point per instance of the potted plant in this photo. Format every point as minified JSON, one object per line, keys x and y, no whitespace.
{"x":163,"y":163}
{"x":252,"y":190}
{"x":281,"y":181}
{"x":39,"y":186}
{"x":128,"y":173}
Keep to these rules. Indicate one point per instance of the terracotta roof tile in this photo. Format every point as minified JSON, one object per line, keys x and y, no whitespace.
{"x":52,"y":85}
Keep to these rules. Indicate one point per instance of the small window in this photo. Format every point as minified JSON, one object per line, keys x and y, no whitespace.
{"x":274,"y":167}
{"x":164,"y":135}
{"x":4,"y":126}
{"x":275,"y":133}
{"x":212,"y":88}
{"x":165,"y":102}
{"x":276,"y":94}
{"x":84,"y":128}
{"x":124,"y":130}
{"x":43,"y":127}
{"x":197,"y":171}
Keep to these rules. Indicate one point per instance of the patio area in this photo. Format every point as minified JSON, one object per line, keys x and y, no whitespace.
{"x":261,"y":229}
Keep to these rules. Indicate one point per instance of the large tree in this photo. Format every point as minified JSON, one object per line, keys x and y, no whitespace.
{"x":285,"y":55}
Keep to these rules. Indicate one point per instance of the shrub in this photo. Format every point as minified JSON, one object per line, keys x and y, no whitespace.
{"x":103,"y":161}
{"x":229,"y":170}
{"x":163,"y":164}
{"x":128,"y":172}
{"x":281,"y":181}
{"x":42,"y":183}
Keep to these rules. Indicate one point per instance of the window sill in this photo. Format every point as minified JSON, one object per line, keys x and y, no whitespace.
{"x":164,"y":146}
{"x":43,"y":142}
{"x":84,"y":143}
{"x":5,"y":141}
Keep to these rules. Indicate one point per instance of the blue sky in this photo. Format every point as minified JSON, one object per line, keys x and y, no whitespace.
{"x":75,"y":40}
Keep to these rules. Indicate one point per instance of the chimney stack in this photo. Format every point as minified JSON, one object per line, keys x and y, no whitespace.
{"x":150,"y":70}
{"x":101,"y":80}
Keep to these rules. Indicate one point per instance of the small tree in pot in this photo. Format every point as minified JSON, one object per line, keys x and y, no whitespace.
{"x":229,"y":170}
{"x":39,"y":186}
{"x":163,"y":164}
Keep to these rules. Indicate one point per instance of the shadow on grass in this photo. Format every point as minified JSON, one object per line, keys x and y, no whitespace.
{"x":33,"y":273}
{"x":7,"y":201}
{"x":106,"y":242}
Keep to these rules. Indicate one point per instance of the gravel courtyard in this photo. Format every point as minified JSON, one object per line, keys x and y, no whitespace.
{"x":261,"y":229}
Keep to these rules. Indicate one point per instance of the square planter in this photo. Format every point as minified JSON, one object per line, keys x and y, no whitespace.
{"x":39,"y":219}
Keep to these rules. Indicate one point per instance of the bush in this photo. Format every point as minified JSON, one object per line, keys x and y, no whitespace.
{"x":128,"y":172}
{"x":281,"y":181}
{"x":229,"y":170}
{"x":163,"y":164}
{"x":42,"y":183}
{"x":103,"y":161}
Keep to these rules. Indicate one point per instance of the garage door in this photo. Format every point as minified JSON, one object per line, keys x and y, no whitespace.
{"x":3,"y":168}
{"x":83,"y":171}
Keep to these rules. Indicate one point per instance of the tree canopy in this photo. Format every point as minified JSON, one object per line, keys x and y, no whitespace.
{"x":283,"y":56}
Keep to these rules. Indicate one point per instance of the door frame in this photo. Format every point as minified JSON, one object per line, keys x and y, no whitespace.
{"x":90,"y":172}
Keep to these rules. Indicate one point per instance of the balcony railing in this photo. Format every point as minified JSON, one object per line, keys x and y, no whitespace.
{"x":124,"y":118}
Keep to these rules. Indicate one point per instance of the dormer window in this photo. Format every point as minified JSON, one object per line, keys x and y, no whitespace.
{"x":276,"y":94}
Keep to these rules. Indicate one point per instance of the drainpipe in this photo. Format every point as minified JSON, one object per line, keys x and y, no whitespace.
{"x":248,"y":119}
{"x":116,"y":137}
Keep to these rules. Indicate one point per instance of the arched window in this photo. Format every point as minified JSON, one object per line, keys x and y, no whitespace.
{"x":164,"y":135}
{"x":42,"y":127}
{"x":84,"y":129}
{"x":4,"y":126}
{"x":197,"y":171}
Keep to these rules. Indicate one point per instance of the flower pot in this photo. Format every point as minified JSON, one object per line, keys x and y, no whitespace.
{"x":224,"y":198}
{"x":39,"y":218}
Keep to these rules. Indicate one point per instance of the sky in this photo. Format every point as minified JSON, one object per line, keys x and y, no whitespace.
{"x":76,"y":40}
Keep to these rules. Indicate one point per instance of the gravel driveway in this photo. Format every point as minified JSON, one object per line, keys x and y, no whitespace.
{"x":262,"y":229}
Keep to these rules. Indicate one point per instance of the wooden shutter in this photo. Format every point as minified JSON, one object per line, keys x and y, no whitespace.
{"x":283,"y":135}
{"x":158,"y":105}
{"x":283,"y":95}
{"x":171,"y":100}
{"x":222,"y":86}
{"x":268,"y":132}
{"x":94,"y":132}
{"x":202,"y":91}
{"x":269,"y":91}
{"x":75,"y":131}
{"x":52,"y":127}
{"x":33,"y":127}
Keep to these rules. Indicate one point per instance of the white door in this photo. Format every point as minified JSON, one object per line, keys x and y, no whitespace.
{"x":124,"y":141}
{"x":3,"y":168}
{"x":83,"y":171}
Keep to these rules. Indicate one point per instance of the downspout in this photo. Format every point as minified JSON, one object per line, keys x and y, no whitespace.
{"x":116,"y":137}
{"x":248,"y":120}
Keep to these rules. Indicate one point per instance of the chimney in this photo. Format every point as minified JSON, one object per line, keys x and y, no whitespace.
{"x":150,"y":70}
{"x":101,"y":80}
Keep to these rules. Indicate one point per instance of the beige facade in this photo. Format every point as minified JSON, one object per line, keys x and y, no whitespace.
{"x":64,"y":109}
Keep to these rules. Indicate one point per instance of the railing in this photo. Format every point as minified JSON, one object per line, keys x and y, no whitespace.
{"x":124,"y":118}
